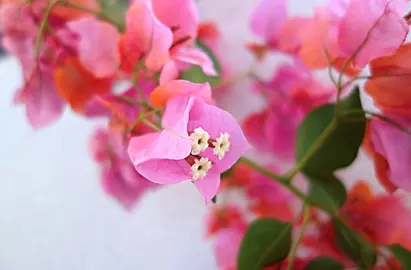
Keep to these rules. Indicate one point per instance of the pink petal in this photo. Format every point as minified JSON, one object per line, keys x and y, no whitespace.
{"x":291,"y":43}
{"x":208,"y":186}
{"x":43,"y":104}
{"x":226,"y":247}
{"x":165,"y":92}
{"x":180,"y":14}
{"x":97,"y":46}
{"x":268,"y":16}
{"x":216,"y":121}
{"x":196,"y":56}
{"x":165,"y":171}
{"x":378,"y":22}
{"x":169,"y":72}
{"x":395,"y":146}
{"x":10,"y":13}
{"x":22,"y":48}
{"x":171,"y":143}
{"x":263,"y":188}
{"x":253,"y":127}
{"x":281,"y":129}
{"x":148,"y":34}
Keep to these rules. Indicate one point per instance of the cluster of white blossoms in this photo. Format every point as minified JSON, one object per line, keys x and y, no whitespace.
{"x":199,"y":143}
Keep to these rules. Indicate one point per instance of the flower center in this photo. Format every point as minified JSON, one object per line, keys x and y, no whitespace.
{"x":200,"y":141}
{"x":200,"y":168}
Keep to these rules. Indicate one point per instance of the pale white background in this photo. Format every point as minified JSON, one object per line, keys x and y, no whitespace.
{"x":54,"y":215}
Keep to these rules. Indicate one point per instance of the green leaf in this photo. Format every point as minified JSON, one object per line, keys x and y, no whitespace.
{"x":210,"y":53}
{"x":214,"y":199}
{"x":354,"y":246}
{"x":267,"y":241}
{"x":327,"y":192}
{"x":196,"y":75}
{"x":324,"y":263}
{"x":344,"y":137}
{"x":114,"y":9}
{"x":403,"y":255}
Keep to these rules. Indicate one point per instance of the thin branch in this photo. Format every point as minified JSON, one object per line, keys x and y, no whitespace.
{"x":293,"y":252}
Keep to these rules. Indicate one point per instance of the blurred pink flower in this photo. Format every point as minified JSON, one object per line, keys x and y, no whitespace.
{"x":382,"y":219}
{"x":267,"y":18}
{"x":118,"y":176}
{"x":226,"y":246}
{"x":222,"y":217}
{"x":380,"y":24}
{"x":197,"y":142}
{"x":97,"y":45}
{"x":390,"y":148}
{"x":163,"y":33}
{"x":291,"y":94}
{"x":43,"y":104}
{"x":269,"y":198}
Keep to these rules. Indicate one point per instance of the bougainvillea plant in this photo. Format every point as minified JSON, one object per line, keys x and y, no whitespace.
{"x":166,"y":126}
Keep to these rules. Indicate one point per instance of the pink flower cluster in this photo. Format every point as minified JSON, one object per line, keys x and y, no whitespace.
{"x":165,"y":127}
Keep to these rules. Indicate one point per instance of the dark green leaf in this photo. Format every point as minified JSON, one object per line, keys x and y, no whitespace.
{"x":324,"y":263}
{"x":344,"y":139}
{"x":266,"y":241}
{"x":214,"y":199}
{"x":327,"y":192}
{"x":354,"y":246}
{"x":403,"y":255}
{"x":196,"y":75}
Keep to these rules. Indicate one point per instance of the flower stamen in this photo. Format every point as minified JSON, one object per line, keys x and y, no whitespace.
{"x":199,"y":141}
{"x":221,"y":145}
{"x":200,"y":168}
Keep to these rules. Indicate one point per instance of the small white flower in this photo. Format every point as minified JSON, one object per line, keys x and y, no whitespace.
{"x":221,"y":145}
{"x":199,"y":141}
{"x":200,"y":168}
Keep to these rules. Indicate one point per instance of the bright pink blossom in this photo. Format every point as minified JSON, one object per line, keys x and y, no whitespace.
{"x":291,"y":94}
{"x":160,"y":95}
{"x":146,"y":35}
{"x":270,"y":22}
{"x":269,"y":198}
{"x":267,"y":18}
{"x":163,"y":33}
{"x":182,"y":59}
{"x":226,"y":246}
{"x":382,"y":219}
{"x":377,"y":23}
{"x":390,"y":149}
{"x":224,"y":217}
{"x":118,"y":177}
{"x":43,"y":104}
{"x":165,"y":157}
{"x":97,"y":45}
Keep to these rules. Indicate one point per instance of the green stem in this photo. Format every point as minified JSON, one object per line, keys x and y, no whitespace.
{"x":150,"y":124}
{"x":313,"y":149}
{"x":140,"y":92}
{"x":379,"y":116}
{"x":42,"y":28}
{"x":142,"y":116}
{"x":98,"y":14}
{"x":348,"y":62}
{"x":293,"y":252}
{"x":367,"y":77}
{"x":279,"y":178}
{"x":129,"y":100}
